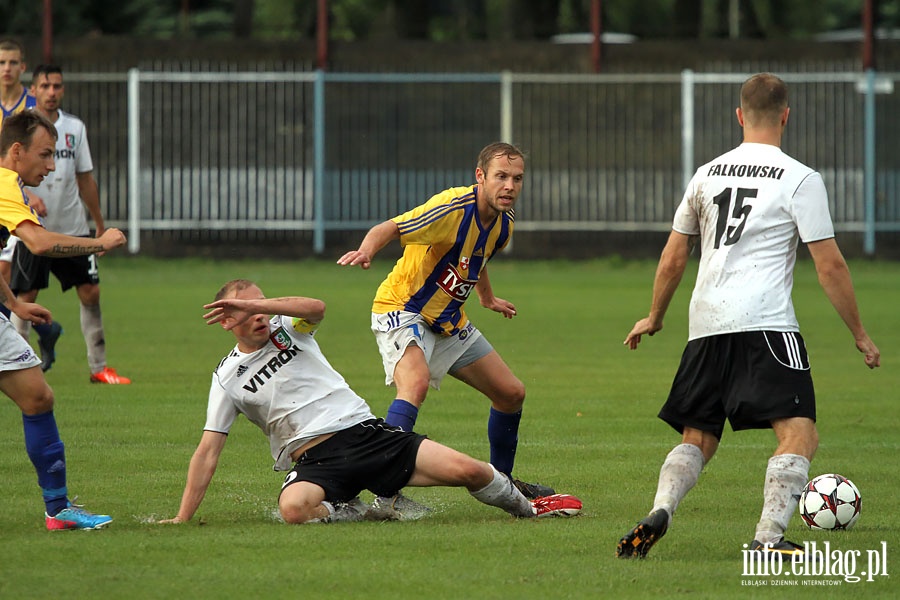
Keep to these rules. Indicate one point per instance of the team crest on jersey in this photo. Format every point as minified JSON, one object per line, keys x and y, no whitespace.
{"x":241,"y":370}
{"x":70,"y":141}
{"x":281,"y":339}
{"x":464,"y":263}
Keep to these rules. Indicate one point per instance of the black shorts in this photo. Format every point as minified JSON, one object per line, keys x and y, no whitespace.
{"x":32,"y":272}
{"x":750,"y":378}
{"x":370,"y":456}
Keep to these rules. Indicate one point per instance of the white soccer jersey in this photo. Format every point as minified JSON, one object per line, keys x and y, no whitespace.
{"x":288,"y":389}
{"x":59,"y":190}
{"x":750,"y":206}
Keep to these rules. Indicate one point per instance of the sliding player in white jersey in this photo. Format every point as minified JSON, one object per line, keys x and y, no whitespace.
{"x":319,"y":429}
{"x":66,"y":193}
{"x":745,"y":360}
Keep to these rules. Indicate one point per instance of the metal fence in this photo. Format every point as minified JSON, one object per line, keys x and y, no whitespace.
{"x":260,"y":153}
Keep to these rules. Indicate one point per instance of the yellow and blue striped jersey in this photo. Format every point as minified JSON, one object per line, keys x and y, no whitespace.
{"x":25,"y":101}
{"x":14,"y":208}
{"x":445,"y":249}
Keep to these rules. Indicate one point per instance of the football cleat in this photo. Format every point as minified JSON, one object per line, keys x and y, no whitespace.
{"x":556,"y":505}
{"x":352,"y":510}
{"x":75,"y":517}
{"x":638,"y":541}
{"x":786,"y":549}
{"x":109,"y":375}
{"x":47,"y":346}
{"x":396,"y":508}
{"x":533,"y":491}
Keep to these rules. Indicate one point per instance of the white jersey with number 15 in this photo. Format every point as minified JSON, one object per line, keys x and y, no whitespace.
{"x":750,"y":206}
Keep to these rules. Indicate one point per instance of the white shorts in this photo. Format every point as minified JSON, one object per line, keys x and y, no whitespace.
{"x":6,"y":255}
{"x":15,"y":353}
{"x":396,"y":330}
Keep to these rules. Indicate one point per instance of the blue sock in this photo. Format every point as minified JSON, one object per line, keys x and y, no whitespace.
{"x":503,"y":436}
{"x":402,"y":414}
{"x":48,"y":456}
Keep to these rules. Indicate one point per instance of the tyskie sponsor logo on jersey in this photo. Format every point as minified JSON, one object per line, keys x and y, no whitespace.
{"x":456,"y":286}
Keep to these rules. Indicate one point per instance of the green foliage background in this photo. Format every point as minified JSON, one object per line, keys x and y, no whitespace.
{"x":438,"y":20}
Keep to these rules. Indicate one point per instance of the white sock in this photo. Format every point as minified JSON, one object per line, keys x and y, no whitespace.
{"x":92,"y":330}
{"x":786,"y":475}
{"x":501,"y":492}
{"x":678,"y":474}
{"x":22,"y":326}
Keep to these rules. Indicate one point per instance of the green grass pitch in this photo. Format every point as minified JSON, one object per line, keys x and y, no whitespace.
{"x":589,"y":429}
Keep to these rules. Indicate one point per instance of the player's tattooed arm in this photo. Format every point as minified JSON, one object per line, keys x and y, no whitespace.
{"x":60,"y":250}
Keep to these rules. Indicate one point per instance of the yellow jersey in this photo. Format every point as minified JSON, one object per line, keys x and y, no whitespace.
{"x":14,"y":207}
{"x":445,"y":249}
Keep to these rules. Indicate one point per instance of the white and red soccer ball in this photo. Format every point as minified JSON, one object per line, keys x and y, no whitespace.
{"x":830,"y":501}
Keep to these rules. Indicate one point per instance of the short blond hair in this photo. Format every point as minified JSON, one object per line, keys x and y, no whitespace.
{"x":763,"y":99}
{"x":233,"y":286}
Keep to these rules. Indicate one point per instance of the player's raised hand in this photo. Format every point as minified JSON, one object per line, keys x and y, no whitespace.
{"x":237,"y":310}
{"x":355,"y":257}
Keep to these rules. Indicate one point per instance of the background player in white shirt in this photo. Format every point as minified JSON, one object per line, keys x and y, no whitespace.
{"x":319,"y":429}
{"x":66,"y":193}
{"x":745,"y":359}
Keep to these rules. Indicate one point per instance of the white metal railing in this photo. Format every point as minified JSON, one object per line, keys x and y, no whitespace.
{"x":317,"y":151}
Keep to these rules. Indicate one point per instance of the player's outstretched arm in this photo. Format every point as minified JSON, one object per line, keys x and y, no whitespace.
{"x":671,"y":267}
{"x":238,"y":310}
{"x":200,"y":473}
{"x":57,"y":245}
{"x":834,"y":277}
{"x":377,"y":238}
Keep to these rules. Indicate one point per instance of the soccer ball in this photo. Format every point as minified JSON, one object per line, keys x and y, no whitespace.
{"x":830,"y":502}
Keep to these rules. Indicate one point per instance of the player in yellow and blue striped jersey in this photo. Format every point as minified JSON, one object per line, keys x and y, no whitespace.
{"x":418,"y":314}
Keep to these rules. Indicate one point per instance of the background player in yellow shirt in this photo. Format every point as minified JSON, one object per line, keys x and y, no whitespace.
{"x":27,"y":148}
{"x":418,"y":318}
{"x":14,"y":98}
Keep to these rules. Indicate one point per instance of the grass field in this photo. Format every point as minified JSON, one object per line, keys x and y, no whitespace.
{"x":589,"y":429}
